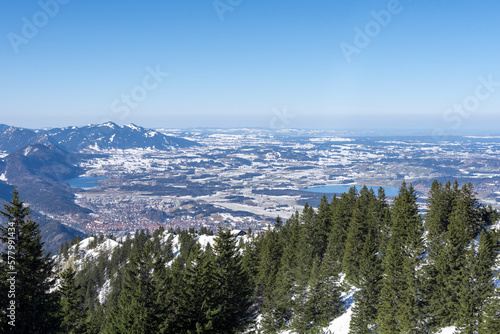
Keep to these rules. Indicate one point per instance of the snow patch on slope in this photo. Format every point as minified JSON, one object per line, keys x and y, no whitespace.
{"x":341,"y":324}
{"x":133,"y":127}
{"x":496,"y":226}
{"x":107,"y":246}
{"x":108,"y":124}
{"x":204,"y":240}
{"x":447,"y":330}
{"x":104,"y":291}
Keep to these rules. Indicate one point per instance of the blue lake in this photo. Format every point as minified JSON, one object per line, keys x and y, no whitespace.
{"x":342,"y":188}
{"x":84,"y":182}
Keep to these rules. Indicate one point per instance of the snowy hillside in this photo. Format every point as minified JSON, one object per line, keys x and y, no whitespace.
{"x":92,"y":248}
{"x":112,"y":136}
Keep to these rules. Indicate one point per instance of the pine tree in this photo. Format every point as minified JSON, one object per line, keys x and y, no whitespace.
{"x":279,"y":301}
{"x":305,"y":308}
{"x":71,"y":300}
{"x":187,"y":245}
{"x":440,"y":203}
{"x":365,"y":311}
{"x":491,"y":306}
{"x":25,"y":263}
{"x":341,"y":217}
{"x":399,"y":310}
{"x":209,"y":310}
{"x":232,"y":287}
{"x":441,"y":200}
{"x":307,"y":247}
{"x":278,"y":305}
{"x":251,"y":259}
{"x":321,"y":229}
{"x":478,"y":285}
{"x":138,"y":306}
{"x":325,"y":289}
{"x":171,"y":298}
{"x":381,"y":216}
{"x":390,"y":295}
{"x":450,"y":276}
{"x":361,"y":222}
{"x":269,"y":262}
{"x":320,"y":303}
{"x":95,"y":319}
{"x":491,"y":325}
{"x":197,"y":297}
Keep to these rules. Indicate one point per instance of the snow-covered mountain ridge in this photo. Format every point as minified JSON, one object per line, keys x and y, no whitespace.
{"x":91,"y":137}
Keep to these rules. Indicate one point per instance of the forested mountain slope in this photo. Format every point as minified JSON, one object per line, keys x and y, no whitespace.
{"x":354,"y":260}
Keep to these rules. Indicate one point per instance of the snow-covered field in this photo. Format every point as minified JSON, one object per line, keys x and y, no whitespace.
{"x":266,"y":169}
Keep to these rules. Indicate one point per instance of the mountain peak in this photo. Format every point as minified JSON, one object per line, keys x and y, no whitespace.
{"x":112,"y":136}
{"x":103,"y":136}
{"x":109,"y":124}
{"x":135,"y":127}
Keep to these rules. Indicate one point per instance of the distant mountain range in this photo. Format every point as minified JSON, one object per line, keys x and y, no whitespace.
{"x":38,"y":161}
{"x":91,"y":137}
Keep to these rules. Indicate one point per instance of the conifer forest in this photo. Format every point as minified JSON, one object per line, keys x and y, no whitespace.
{"x":411,"y":271}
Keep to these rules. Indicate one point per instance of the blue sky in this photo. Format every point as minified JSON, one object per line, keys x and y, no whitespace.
{"x":431,"y":65}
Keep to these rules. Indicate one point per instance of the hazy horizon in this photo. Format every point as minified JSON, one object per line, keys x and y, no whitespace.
{"x":401,"y":131}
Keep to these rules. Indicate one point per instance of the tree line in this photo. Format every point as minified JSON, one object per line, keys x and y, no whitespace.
{"x":413,"y":272}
